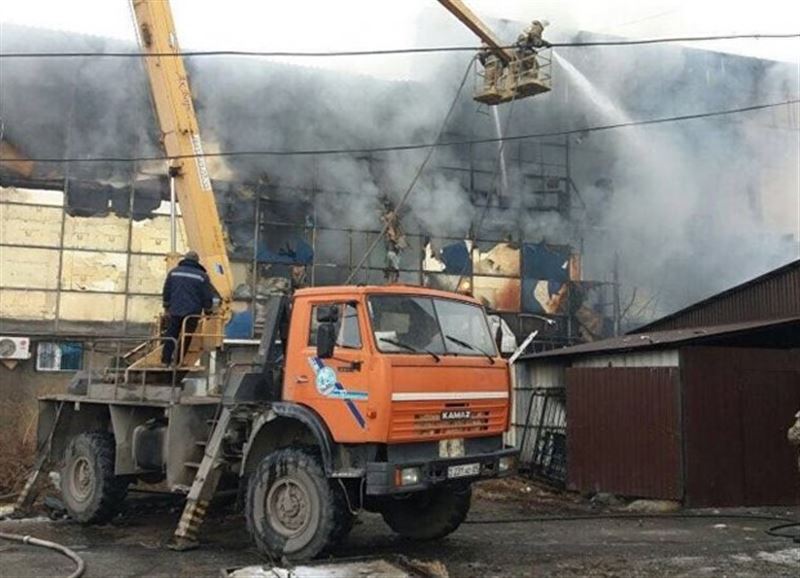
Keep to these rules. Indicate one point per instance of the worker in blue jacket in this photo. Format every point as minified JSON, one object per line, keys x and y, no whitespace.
{"x":187,"y":294}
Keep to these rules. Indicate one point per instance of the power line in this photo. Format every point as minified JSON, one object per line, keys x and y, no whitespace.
{"x":669,"y":40}
{"x":409,"y":147}
{"x":386,"y":52}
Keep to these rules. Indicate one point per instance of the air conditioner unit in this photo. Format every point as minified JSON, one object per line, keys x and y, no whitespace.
{"x":15,"y":347}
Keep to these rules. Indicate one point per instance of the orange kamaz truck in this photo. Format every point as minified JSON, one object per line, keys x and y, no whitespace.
{"x":386,"y":399}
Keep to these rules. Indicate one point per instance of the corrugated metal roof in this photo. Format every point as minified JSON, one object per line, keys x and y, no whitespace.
{"x":775,"y":294}
{"x":660,"y":339}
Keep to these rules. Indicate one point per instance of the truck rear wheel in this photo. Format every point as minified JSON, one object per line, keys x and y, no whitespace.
{"x":428,"y":515}
{"x":92,"y":493}
{"x":292,"y":510}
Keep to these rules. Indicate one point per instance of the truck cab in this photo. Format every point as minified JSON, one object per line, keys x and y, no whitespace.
{"x":412,"y":371}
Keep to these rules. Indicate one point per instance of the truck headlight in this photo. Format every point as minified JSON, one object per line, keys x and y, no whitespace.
{"x":408,"y":476}
{"x":506,"y":464}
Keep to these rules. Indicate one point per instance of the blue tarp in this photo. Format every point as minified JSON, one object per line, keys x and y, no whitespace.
{"x":240,"y":326}
{"x":541,"y":262}
{"x":457,"y":259}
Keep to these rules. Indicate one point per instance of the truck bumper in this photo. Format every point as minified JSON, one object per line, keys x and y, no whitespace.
{"x":385,"y":478}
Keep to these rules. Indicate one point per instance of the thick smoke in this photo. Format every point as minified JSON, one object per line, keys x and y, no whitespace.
{"x":688,"y":208}
{"x":694,"y":207}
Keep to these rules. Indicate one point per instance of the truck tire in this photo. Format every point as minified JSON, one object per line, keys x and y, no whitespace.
{"x":292,"y":509}
{"x":92,"y":493}
{"x":428,"y":515}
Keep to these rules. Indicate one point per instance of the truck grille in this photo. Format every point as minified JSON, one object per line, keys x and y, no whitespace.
{"x":412,"y":421}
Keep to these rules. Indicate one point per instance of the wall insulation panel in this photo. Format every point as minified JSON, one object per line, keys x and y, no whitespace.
{"x":147,"y":274}
{"x":152,"y":236}
{"x":107,"y":233}
{"x":91,"y":271}
{"x":24,"y":268}
{"x":32,"y":196}
{"x":27,"y":305}
{"x":142,"y":309}
{"x":92,"y":307}
{"x":30,"y":225}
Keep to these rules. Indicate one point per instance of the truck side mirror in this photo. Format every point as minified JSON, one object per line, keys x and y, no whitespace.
{"x":327,"y":317}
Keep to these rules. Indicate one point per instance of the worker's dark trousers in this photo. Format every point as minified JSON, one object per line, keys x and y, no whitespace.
{"x":173,"y":330}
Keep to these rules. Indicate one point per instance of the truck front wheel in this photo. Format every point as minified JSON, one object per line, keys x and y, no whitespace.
{"x":92,"y":493}
{"x":428,"y":515}
{"x":292,"y":510}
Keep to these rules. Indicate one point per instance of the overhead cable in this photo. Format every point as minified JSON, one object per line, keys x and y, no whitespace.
{"x":385,"y":52}
{"x":416,"y":146}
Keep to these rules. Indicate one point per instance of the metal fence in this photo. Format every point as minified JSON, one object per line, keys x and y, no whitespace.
{"x":543,"y":438}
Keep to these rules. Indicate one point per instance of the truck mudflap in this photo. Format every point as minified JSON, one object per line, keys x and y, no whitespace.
{"x":385,"y":478}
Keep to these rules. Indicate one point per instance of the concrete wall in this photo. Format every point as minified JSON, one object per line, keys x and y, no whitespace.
{"x":59,"y":270}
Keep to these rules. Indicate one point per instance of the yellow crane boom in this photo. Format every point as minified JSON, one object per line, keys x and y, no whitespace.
{"x":471,"y":21}
{"x":180,"y":136}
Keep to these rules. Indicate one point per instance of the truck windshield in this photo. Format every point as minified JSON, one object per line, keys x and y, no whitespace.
{"x":406,"y":324}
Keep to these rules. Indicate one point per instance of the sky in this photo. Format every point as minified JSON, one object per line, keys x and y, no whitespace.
{"x":379,"y":24}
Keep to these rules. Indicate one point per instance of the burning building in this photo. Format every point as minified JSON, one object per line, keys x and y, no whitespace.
{"x":570,"y":235}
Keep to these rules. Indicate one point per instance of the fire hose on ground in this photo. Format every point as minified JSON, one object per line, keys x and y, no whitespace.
{"x":79,"y":563}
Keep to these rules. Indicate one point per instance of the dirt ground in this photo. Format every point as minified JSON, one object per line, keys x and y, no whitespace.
{"x":133,"y":545}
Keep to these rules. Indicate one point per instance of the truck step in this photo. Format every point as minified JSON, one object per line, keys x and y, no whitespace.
{"x":194,"y":465}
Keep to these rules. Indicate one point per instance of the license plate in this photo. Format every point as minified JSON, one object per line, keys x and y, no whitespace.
{"x":463,"y":470}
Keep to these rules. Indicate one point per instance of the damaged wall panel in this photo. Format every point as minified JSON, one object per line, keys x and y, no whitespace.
{"x":31,"y":196}
{"x":30,"y":225}
{"x":24,"y":268}
{"x":152,"y":236}
{"x":143,"y":309}
{"x":91,"y":307}
{"x":147,"y":274}
{"x":107,"y":233}
{"x":242,"y":276}
{"x":498,"y":293}
{"x":28,"y":305}
{"x":93,"y":271}
{"x":502,"y":259}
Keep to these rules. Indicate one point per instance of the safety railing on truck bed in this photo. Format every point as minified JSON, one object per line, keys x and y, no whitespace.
{"x":130,"y":368}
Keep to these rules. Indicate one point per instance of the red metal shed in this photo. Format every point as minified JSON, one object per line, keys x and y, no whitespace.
{"x":698,"y":415}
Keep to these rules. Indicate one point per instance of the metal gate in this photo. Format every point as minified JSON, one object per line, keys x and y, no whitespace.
{"x":543,"y":441}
